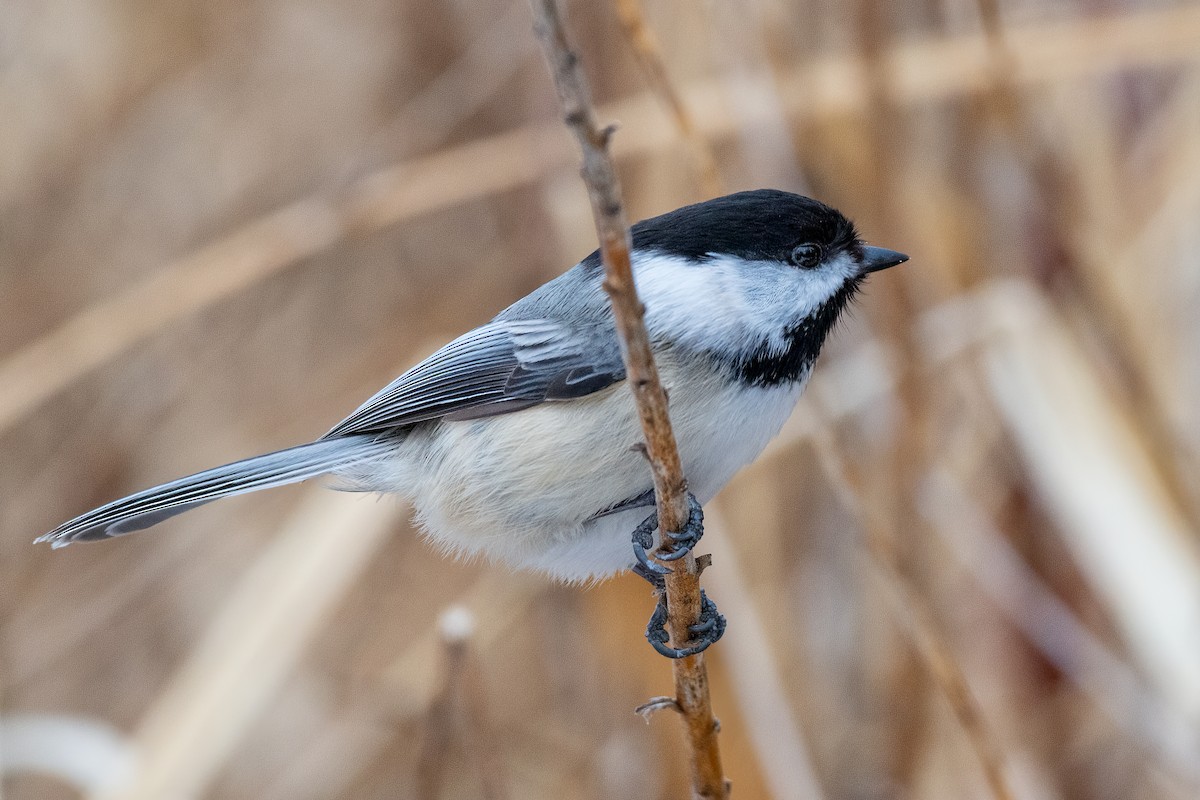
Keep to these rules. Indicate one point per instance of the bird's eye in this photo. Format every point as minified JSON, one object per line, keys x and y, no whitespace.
{"x":807,"y":256}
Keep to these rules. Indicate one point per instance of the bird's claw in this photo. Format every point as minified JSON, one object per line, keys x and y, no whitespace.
{"x":656,"y":579}
{"x":709,"y":628}
{"x":643,"y":540}
{"x":674,"y":545}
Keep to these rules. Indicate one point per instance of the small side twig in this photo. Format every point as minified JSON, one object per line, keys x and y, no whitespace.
{"x":683,"y":584}
{"x":655,"y":704}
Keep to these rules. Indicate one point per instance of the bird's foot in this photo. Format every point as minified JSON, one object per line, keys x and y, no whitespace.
{"x":674,"y":545}
{"x":643,"y":540}
{"x":708,"y":629}
{"x":711,"y":624}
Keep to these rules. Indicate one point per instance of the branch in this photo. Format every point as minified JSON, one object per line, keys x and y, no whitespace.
{"x":683,"y":583}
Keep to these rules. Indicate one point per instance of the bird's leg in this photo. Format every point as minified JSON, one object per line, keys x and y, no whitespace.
{"x":711,"y":625}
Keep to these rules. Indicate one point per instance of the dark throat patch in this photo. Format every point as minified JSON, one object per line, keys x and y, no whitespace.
{"x":766,"y":366}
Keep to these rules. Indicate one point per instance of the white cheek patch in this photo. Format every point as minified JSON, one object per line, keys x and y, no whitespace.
{"x":729,"y":301}
{"x":696,"y":303}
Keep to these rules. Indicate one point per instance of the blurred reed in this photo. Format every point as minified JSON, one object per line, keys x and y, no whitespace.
{"x":222,"y":225}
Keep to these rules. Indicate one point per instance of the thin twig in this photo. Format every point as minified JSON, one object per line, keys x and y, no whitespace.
{"x":438,"y":725}
{"x":655,"y":704}
{"x":400,"y":699}
{"x":784,"y":755}
{"x":683,"y":583}
{"x":459,"y":708}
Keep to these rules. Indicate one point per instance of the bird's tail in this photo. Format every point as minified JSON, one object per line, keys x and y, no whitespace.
{"x":152,"y":506}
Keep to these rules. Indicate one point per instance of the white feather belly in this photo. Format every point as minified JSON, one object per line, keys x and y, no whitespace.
{"x":522,"y":487}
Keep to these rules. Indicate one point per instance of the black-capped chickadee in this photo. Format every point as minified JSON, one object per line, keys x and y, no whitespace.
{"x":519,"y":440}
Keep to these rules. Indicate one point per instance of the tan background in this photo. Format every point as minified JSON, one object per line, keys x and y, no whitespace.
{"x":224,"y":224}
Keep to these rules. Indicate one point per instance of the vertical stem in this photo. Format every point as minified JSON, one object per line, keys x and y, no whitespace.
{"x":683,"y":584}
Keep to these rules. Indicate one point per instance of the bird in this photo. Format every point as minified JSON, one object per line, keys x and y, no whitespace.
{"x":519,"y":441}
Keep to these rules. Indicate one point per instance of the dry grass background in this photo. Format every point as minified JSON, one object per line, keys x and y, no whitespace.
{"x":223,"y":224}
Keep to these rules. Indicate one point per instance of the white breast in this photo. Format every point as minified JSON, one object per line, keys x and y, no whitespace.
{"x":522,"y":487}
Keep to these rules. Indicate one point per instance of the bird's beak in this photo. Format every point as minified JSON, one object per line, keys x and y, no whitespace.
{"x":877,"y":258}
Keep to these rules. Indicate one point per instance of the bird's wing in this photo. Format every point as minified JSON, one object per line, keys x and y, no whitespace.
{"x":504,"y":366}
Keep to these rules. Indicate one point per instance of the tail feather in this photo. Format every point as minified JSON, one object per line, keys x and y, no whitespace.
{"x":151,"y":506}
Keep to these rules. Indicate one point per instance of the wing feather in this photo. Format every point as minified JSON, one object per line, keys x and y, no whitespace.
{"x":501,"y":367}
